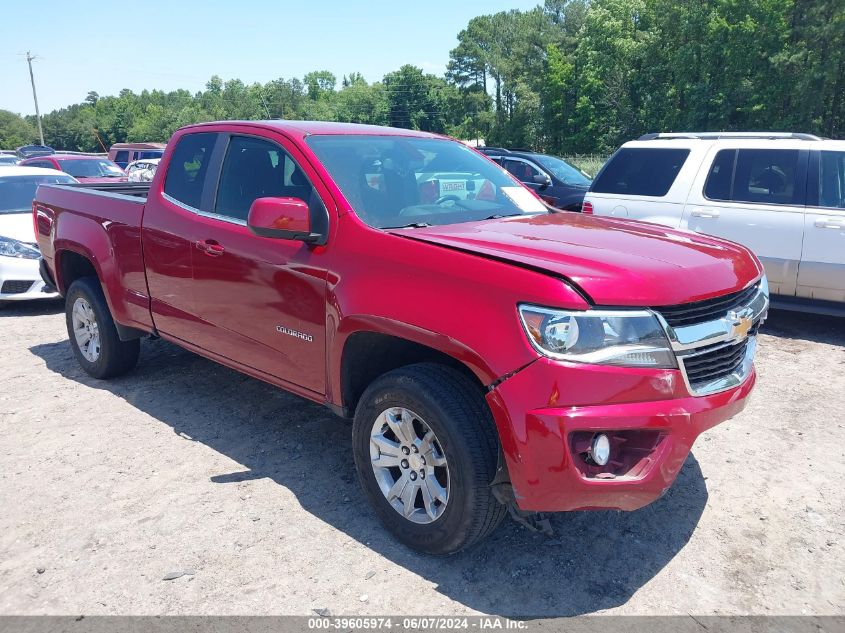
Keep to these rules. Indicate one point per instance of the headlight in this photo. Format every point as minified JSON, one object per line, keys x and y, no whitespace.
{"x":14,"y":248}
{"x":606,"y":337}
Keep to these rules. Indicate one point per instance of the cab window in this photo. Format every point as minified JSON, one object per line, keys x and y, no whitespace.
{"x":256,"y":168}
{"x":188,"y":167}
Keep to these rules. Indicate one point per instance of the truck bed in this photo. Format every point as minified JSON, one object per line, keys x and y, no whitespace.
{"x":133,"y":189}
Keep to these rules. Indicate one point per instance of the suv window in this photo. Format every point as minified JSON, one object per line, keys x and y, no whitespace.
{"x":766,"y":176}
{"x":255,"y":168}
{"x":522,"y":170}
{"x":188,"y":167}
{"x":121,"y":157}
{"x":720,"y":178}
{"x":641,"y":171}
{"x":832,"y":181}
{"x":755,"y":175}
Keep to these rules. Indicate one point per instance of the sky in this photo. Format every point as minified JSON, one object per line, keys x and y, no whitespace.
{"x":155,"y":44}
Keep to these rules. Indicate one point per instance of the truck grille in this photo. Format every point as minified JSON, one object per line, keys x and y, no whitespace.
{"x":15,"y":287}
{"x":707,"y":365}
{"x":707,"y":310}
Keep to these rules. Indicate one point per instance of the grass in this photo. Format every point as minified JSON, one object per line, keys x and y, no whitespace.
{"x":588,"y":163}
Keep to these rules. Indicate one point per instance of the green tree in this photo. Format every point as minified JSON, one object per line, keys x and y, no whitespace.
{"x":15,"y":130}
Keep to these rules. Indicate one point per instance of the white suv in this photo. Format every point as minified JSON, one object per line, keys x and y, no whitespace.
{"x":780,"y":194}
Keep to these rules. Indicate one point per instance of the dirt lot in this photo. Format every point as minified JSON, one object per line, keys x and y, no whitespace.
{"x":106,"y":488}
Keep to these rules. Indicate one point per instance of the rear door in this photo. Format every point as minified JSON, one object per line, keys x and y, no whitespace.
{"x":755,"y":197}
{"x":168,"y":231}
{"x":259,"y":301}
{"x":821,"y":274}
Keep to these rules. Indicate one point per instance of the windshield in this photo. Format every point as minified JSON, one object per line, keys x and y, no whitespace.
{"x":9,"y":160}
{"x":398,"y":181}
{"x":563,"y":170}
{"x":17,"y":192}
{"x":87,"y":168}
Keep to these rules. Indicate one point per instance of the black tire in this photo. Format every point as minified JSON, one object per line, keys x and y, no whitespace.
{"x":454,"y":408}
{"x":116,"y":357}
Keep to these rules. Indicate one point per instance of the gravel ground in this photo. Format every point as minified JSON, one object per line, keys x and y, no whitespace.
{"x":184,"y":466}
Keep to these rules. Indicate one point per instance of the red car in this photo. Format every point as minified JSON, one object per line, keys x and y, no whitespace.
{"x":491,"y":352}
{"x":83,"y":168}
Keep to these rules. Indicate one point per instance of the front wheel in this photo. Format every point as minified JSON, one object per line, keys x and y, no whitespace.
{"x":93,"y":336}
{"x":426,"y":450}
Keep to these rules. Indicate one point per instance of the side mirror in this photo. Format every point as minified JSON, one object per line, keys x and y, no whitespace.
{"x":542,"y":179}
{"x":282,"y":219}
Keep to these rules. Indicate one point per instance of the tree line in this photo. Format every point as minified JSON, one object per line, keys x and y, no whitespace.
{"x":571,"y":76}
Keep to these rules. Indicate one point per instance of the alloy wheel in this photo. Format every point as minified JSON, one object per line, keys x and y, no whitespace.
{"x":409,"y":465}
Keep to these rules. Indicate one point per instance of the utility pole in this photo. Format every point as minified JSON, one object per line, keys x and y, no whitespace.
{"x":29,"y":58}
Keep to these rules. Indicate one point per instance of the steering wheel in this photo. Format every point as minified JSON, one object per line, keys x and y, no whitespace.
{"x":447,"y":198}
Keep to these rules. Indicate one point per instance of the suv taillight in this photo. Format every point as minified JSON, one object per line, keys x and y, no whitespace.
{"x":587,"y":208}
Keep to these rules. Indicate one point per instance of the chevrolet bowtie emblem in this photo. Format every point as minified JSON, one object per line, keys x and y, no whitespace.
{"x":741,"y":323}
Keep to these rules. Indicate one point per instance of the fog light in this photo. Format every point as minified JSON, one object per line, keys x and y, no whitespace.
{"x":600,"y":449}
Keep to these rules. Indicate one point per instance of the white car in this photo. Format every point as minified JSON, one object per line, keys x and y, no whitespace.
{"x":780,"y":194}
{"x":19,"y":255}
{"x":142,"y":170}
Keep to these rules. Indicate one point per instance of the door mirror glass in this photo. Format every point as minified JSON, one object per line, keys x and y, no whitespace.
{"x":281,"y":218}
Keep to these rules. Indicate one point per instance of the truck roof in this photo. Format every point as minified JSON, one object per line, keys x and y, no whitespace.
{"x":307,"y":128}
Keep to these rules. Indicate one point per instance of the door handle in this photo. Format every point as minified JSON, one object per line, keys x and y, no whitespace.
{"x":212,"y":248}
{"x":701,"y":213}
{"x":830,"y":224}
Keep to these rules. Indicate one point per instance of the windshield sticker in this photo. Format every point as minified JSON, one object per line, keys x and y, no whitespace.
{"x":524,"y":199}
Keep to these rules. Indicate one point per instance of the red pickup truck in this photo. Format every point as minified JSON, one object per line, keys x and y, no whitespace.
{"x":494,"y":354}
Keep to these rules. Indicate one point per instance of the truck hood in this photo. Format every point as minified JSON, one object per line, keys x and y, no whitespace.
{"x":17,"y":226}
{"x":613,"y":262}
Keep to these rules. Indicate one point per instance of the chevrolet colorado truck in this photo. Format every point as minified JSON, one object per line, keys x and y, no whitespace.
{"x":495,"y":355}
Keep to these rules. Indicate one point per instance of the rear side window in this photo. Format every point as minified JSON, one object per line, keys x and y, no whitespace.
{"x":121,"y":157}
{"x":755,"y":175}
{"x":188,"y":168}
{"x":641,"y":171}
{"x":720,"y":178}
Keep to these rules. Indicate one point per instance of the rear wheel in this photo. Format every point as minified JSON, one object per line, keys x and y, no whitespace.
{"x":92,"y":333}
{"x":426,"y":450}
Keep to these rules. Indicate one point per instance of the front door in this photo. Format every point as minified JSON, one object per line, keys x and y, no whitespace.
{"x":755,"y":197}
{"x":821,"y":274}
{"x":260,"y":301}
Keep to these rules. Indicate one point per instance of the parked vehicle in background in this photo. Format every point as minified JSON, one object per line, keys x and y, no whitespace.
{"x":557,"y":182}
{"x":82,"y":167}
{"x":19,"y":255}
{"x":142,"y":170}
{"x":8,"y":159}
{"x":124,"y":153}
{"x":780,"y":194}
{"x":493,"y":353}
{"x":28,"y":151}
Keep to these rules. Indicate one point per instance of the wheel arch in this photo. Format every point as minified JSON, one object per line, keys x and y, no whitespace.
{"x":365,"y":352}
